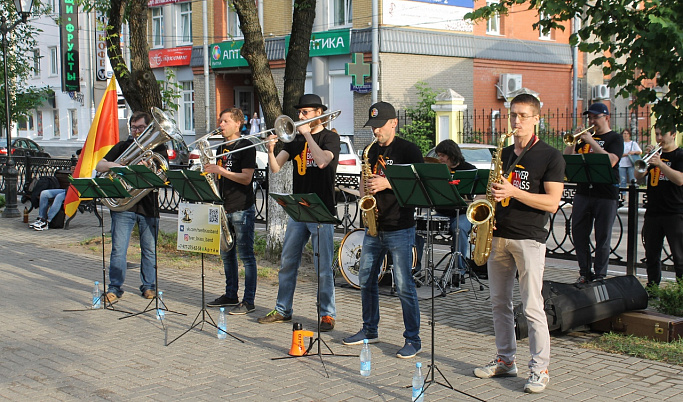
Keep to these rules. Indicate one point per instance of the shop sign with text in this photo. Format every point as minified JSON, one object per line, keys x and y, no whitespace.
{"x":179,"y":56}
{"x":328,"y":43}
{"x":227,"y":54}
{"x":68,"y":34}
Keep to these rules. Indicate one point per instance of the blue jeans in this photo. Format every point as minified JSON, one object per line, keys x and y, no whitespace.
{"x":296,"y":237}
{"x":463,"y":242}
{"x":400,"y":244}
{"x":243,"y":222}
{"x":122,"y":224}
{"x":45,"y":196}
{"x":626,"y":175}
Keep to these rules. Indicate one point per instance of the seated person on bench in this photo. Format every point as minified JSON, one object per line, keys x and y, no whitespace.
{"x":449,"y":153}
{"x":56,"y":195}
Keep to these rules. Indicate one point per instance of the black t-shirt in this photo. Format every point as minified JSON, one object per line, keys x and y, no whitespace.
{"x":236,"y":196}
{"x":614,"y":144}
{"x":663,"y":196}
{"x":445,"y":211}
{"x":515,"y":220}
{"x":148,"y":205}
{"x":306,"y":176}
{"x":391,"y":216}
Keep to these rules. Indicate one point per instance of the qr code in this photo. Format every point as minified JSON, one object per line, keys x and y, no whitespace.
{"x":213,"y":216}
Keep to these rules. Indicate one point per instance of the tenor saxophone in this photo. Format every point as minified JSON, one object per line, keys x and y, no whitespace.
{"x":368,"y":204}
{"x":481,"y":212}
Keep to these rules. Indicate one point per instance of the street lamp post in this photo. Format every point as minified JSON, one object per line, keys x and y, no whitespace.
{"x":10,"y":173}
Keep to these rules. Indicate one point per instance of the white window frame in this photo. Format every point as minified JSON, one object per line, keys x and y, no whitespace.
{"x":493,"y":23}
{"x":186,"y":110}
{"x":344,"y":5}
{"x":157,"y":27}
{"x":232,"y":22}
{"x":73,"y":123}
{"x":541,"y":35}
{"x":54,"y":6}
{"x":185,"y":23}
{"x":54,"y":61}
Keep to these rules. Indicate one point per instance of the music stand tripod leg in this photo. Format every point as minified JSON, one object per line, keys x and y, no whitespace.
{"x":107,"y":305}
{"x":203,"y":312}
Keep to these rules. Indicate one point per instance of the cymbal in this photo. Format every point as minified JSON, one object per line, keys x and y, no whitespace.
{"x":351,"y":191}
{"x":429,"y":159}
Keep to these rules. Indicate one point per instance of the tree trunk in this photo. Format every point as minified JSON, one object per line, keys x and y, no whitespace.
{"x":254,"y":51}
{"x":139,"y":86}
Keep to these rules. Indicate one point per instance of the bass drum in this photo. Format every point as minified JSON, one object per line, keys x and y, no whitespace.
{"x":349,"y":258}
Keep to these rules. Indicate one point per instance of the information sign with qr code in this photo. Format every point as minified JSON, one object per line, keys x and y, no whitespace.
{"x":199,"y":228}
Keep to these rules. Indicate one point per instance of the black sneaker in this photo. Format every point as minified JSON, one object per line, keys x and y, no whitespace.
{"x":242,"y":308}
{"x":326,"y":323}
{"x":582,"y":280}
{"x":223,"y":301}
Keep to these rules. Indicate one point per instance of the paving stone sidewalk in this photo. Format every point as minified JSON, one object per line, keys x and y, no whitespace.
{"x":51,"y":354}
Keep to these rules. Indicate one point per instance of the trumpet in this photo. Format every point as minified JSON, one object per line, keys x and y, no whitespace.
{"x":570,"y":139}
{"x":285,"y":129}
{"x":641,"y":165}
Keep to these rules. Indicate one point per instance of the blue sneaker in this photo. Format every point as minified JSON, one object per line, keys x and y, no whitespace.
{"x":409,"y":350}
{"x":358,"y":338}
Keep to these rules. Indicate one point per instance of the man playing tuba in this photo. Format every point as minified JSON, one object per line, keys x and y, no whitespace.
{"x":236,"y":170}
{"x":531,"y":188}
{"x":145,"y":213}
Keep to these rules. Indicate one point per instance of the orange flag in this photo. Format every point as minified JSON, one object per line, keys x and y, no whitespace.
{"x":103,"y":135}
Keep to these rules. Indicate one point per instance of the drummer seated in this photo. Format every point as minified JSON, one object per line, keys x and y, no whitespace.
{"x":458,"y":224}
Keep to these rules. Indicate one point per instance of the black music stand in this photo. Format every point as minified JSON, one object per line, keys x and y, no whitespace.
{"x":472,"y":182}
{"x":98,"y":188}
{"x":309,"y":208}
{"x":589,"y":168}
{"x":425,"y":185}
{"x":194,"y":187}
{"x":142,"y":177}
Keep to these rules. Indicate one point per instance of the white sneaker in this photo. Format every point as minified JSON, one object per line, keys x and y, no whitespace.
{"x":41,"y":226}
{"x":496,"y":368}
{"x":32,"y":225}
{"x":537,"y":382}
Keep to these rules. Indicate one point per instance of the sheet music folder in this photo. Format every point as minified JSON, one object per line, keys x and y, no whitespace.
{"x":99,"y":187}
{"x":305,"y":208}
{"x":192,"y":185}
{"x":423,"y":185}
{"x":139,"y":176}
{"x":589,"y":168}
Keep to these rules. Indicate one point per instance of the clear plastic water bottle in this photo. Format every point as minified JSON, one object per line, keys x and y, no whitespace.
{"x":161,"y":313}
{"x":365,"y":359}
{"x":418,"y":383}
{"x":222,"y":326}
{"x":96,"y":296}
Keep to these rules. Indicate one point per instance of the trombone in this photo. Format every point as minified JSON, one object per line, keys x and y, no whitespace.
{"x":284,"y":128}
{"x":205,"y":137}
{"x":570,"y":139}
{"x":643,"y":164}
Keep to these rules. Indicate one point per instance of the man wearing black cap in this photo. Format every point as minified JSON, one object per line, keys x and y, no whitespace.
{"x":315,"y":154}
{"x":396,"y":234}
{"x":595,"y":202}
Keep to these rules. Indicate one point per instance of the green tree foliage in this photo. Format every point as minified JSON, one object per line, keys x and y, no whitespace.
{"x":635,"y":41}
{"x":19,"y":58}
{"x":422,"y":127}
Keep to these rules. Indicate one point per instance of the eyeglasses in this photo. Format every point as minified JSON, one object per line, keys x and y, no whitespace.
{"x":306,"y":112}
{"x":138,"y":128}
{"x":522,"y":117}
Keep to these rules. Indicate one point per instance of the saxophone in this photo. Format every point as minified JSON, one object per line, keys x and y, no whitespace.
{"x":481,"y":212}
{"x":368,"y":204}
{"x":227,"y":237}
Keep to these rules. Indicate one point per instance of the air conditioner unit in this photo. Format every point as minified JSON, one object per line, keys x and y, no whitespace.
{"x":600,"y":92}
{"x":509,"y":83}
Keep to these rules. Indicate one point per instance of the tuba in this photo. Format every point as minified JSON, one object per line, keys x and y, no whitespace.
{"x":481,"y":212}
{"x":204,"y":148}
{"x":368,"y":204}
{"x":161,"y":130}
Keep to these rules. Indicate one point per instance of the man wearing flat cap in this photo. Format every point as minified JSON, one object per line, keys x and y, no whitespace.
{"x":315,"y":154}
{"x":595,"y":203}
{"x":396,"y":226}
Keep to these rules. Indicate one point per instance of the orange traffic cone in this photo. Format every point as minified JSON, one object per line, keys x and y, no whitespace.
{"x":298,"y":335}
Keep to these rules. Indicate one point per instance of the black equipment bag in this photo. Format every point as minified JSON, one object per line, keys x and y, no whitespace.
{"x":568,"y":305}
